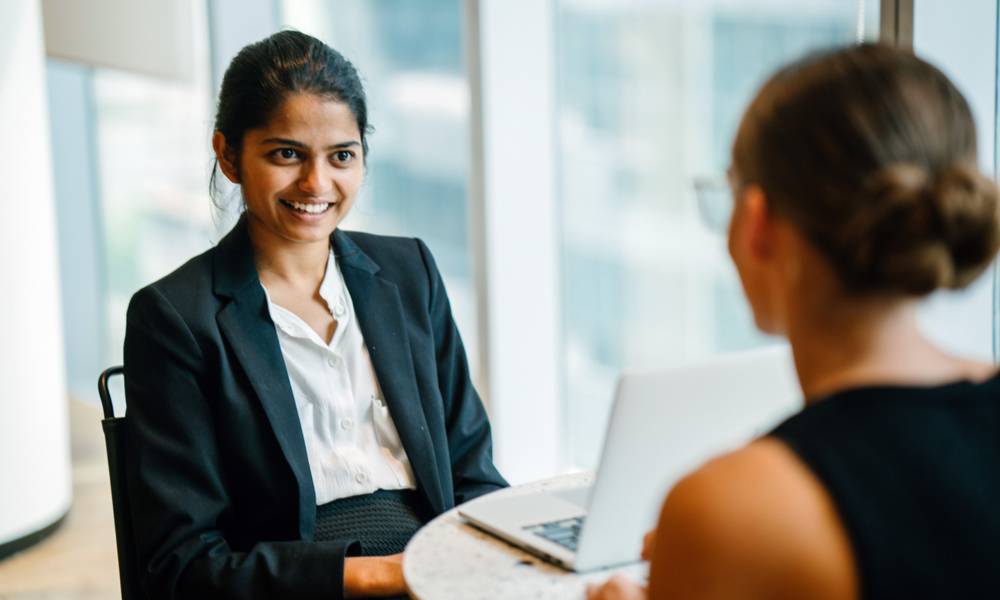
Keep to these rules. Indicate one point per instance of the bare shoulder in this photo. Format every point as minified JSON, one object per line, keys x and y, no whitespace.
{"x":752,"y":523}
{"x":978,"y":371}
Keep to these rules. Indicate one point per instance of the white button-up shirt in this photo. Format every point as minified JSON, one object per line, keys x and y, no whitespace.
{"x":351,"y":441}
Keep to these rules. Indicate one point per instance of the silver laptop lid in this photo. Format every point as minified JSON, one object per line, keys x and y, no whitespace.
{"x":666,"y":423}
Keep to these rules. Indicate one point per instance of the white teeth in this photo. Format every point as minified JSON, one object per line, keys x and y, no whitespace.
{"x":313,"y":209}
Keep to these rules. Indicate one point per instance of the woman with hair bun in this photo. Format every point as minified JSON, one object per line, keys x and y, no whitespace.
{"x":857,"y":193}
{"x":299,"y":400}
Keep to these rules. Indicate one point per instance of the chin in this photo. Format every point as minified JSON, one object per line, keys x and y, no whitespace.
{"x":764,"y":322}
{"x":771,"y":325}
{"x":310,"y":232}
{"x":309,"y":236}
{"x":767,"y":328}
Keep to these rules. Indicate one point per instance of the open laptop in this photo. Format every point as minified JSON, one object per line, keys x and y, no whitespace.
{"x":663,"y":424}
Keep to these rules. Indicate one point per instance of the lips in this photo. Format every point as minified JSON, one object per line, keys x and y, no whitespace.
{"x":311,"y":208}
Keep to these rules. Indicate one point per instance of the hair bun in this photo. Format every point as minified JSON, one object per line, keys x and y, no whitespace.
{"x":924,"y":230}
{"x":968,"y":208}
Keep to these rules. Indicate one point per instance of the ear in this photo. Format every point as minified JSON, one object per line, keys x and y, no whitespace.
{"x":758,"y":223}
{"x":226,"y":155}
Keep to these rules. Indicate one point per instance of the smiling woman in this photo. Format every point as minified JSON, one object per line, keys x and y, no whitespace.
{"x":299,"y":396}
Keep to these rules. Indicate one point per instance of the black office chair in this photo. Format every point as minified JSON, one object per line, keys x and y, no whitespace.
{"x":114,"y":439}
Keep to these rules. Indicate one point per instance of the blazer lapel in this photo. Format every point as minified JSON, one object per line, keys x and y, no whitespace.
{"x":380,"y":315}
{"x":247,"y":326}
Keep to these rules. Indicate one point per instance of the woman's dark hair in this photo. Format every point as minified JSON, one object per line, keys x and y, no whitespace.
{"x":264,"y":73}
{"x":871,"y":153}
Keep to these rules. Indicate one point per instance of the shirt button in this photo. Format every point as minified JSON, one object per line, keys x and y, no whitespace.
{"x":346,"y":423}
{"x":361,"y":477}
{"x":380,"y":403}
{"x":339,"y":309}
{"x":332,"y":361}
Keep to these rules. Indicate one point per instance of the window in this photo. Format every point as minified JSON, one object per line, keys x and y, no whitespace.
{"x":153,"y":160}
{"x":649,"y":95}
{"x":410,"y":57}
{"x":963,"y":45}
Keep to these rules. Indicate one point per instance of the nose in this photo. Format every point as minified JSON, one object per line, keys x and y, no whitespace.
{"x":314,"y":178}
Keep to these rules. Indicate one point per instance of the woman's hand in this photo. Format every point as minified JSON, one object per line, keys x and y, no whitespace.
{"x":618,"y":587}
{"x":374,"y":576}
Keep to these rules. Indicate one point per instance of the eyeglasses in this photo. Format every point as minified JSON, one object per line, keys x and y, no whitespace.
{"x":715,"y":202}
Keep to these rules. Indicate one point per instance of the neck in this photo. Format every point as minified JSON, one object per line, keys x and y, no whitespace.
{"x":300,"y":264}
{"x":840,"y":343}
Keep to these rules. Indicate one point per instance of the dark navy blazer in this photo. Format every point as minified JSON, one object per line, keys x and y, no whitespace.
{"x":221,"y":492}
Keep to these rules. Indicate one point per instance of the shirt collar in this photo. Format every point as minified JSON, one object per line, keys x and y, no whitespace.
{"x":234,"y":269}
{"x":331,"y":289}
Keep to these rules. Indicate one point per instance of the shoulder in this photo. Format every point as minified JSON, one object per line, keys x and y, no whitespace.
{"x":391,"y":247}
{"x":756,"y":521}
{"x":404,"y":260}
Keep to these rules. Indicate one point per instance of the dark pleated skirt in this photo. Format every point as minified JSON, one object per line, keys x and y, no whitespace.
{"x":383,"y":521}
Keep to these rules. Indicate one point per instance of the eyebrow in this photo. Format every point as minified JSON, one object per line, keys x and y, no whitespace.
{"x":287,"y":142}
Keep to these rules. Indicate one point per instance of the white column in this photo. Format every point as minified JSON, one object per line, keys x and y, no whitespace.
{"x":511,"y":56}
{"x":35,"y":486}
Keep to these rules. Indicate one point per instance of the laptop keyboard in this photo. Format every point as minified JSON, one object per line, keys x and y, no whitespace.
{"x":564,"y":532}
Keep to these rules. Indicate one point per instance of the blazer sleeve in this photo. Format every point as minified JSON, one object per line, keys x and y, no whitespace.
{"x":176,"y":486}
{"x":470,"y":442}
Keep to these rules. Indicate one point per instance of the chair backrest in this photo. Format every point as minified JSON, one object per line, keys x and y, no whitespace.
{"x":114,"y":439}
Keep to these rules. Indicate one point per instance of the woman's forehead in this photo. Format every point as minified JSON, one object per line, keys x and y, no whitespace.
{"x":308,"y":117}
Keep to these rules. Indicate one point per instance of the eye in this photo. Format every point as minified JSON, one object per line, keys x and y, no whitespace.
{"x":285,"y":155}
{"x":343,"y":156}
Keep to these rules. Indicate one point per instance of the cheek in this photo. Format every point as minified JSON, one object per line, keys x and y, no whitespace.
{"x":734,"y":244}
{"x":758,"y":301}
{"x":753,"y":277}
{"x":731,"y":246}
{"x":349,"y":181}
{"x":733,"y":229}
{"x":753,"y":284}
{"x":763,"y":302}
{"x":262,"y":182}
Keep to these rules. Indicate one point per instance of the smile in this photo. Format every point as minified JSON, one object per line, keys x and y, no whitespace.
{"x":306,"y":207}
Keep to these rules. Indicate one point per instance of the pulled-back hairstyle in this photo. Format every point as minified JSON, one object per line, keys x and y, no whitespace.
{"x":871,"y":153}
{"x":265,"y":73}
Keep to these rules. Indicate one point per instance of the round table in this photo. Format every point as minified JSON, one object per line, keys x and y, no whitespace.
{"x":449,"y":559}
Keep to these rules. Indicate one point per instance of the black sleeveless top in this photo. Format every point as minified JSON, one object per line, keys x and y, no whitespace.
{"x":915,"y":475}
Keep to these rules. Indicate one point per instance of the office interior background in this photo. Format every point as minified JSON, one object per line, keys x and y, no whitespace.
{"x":563,"y":159}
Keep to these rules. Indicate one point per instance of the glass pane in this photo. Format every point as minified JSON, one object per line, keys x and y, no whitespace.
{"x":410,"y":56}
{"x":963,"y":45}
{"x":649,"y":95}
{"x":153,"y":159}
{"x":996,"y":174}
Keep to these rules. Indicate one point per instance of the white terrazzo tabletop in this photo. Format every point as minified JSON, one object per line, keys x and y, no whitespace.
{"x":449,"y":559}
